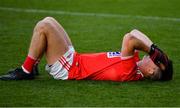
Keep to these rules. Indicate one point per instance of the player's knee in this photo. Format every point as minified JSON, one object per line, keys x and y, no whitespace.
{"x":40,"y":27}
{"x":48,"y":19}
{"x":44,"y":24}
{"x":134,"y":31}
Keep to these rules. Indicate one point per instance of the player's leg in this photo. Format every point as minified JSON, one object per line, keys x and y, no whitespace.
{"x":48,"y":37}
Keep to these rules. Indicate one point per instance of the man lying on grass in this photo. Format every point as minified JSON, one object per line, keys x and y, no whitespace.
{"x":64,"y":63}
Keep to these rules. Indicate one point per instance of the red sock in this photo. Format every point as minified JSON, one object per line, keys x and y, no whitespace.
{"x":28,"y":64}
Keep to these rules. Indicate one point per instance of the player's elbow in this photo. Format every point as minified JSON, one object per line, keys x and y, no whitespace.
{"x":128,"y":37}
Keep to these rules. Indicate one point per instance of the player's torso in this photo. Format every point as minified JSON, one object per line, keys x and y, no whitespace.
{"x":101,"y":66}
{"x":98,"y":61}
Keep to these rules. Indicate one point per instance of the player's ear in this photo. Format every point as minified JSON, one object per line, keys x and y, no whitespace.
{"x":161,"y":66}
{"x":157,"y":74}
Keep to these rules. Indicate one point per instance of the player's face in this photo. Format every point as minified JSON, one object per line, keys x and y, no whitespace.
{"x":147,"y":67}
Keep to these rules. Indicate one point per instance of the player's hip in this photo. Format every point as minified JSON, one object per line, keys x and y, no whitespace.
{"x":60,"y":69}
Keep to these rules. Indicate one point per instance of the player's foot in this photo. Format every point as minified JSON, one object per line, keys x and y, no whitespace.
{"x":158,"y":56}
{"x":35,"y":70}
{"x":18,"y":74}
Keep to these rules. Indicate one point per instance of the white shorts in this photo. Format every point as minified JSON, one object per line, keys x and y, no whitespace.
{"x":59,"y":70}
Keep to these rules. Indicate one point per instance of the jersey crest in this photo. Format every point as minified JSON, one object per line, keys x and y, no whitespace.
{"x":113,"y":54}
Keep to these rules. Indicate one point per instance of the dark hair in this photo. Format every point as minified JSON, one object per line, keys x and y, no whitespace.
{"x":167,"y":74}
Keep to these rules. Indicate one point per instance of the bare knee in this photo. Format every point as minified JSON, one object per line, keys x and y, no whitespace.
{"x":49,"y":19}
{"x":134,"y":31}
{"x":45,"y":24}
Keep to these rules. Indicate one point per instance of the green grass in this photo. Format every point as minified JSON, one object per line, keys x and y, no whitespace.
{"x":89,"y":34}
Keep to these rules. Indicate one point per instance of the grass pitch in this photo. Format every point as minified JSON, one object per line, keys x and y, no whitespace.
{"x":159,"y":19}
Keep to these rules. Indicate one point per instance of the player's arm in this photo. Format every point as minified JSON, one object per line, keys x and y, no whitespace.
{"x":141,"y":36}
{"x":136,"y":40}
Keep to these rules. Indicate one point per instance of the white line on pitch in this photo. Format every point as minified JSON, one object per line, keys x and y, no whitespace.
{"x":89,"y":14}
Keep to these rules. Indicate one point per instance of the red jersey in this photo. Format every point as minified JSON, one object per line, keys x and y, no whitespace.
{"x":104,"y":66}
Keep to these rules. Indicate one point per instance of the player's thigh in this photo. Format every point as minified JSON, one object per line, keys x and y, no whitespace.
{"x":61,"y":29}
{"x":57,"y":43}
